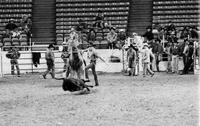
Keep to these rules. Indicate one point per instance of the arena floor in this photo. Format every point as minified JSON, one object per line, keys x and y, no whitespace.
{"x":163,"y":100}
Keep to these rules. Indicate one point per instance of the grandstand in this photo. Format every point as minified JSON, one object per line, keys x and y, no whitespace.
{"x":52,"y":19}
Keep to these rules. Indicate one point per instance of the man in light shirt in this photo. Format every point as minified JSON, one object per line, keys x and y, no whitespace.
{"x":146,"y":60}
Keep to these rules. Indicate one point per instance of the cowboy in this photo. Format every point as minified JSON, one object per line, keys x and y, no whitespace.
{"x":146,"y":60}
{"x":13,"y":54}
{"x":190,"y":59}
{"x":49,"y":56}
{"x":93,"y":56}
{"x":131,"y":58}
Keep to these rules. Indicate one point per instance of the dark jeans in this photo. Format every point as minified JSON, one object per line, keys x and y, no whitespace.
{"x":187,"y":66}
{"x":50,"y":68}
{"x":92,"y":65}
{"x":14,"y":63}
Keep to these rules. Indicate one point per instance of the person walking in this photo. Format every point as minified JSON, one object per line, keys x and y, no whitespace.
{"x":146,"y":61}
{"x":92,"y":55}
{"x":13,"y":54}
{"x":49,"y":56}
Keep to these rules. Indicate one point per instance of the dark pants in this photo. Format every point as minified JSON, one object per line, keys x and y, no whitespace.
{"x":185,"y":59}
{"x":92,"y":65}
{"x":188,"y":65}
{"x":66,"y":67}
{"x":14,"y":63}
{"x":157,"y":56}
{"x":50,"y":68}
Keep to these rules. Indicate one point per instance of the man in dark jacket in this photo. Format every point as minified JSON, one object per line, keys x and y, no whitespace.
{"x":189,"y":59}
{"x":148,"y":34}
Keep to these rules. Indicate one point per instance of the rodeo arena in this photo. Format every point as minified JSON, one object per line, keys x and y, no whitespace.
{"x":99,"y":62}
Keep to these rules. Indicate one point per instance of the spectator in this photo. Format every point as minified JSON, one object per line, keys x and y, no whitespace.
{"x":99,"y":19}
{"x":169,"y":57}
{"x":49,"y":56}
{"x":148,"y":34}
{"x":158,"y":53}
{"x":174,"y":51}
{"x":193,"y":33}
{"x":11,"y":27}
{"x":111,"y":37}
{"x":185,"y":52}
{"x":91,"y":36}
{"x":185,"y":33}
{"x":13,"y":54}
{"x":171,"y":32}
{"x":26,"y":25}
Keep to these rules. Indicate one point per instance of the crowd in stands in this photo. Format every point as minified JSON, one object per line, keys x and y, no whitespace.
{"x":17,"y":33}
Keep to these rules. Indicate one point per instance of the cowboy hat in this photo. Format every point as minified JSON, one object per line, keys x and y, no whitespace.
{"x":51,"y":46}
{"x":145,"y":44}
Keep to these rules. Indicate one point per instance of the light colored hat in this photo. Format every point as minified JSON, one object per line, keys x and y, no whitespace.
{"x":145,"y":44}
{"x":134,"y":33}
{"x":64,"y":43}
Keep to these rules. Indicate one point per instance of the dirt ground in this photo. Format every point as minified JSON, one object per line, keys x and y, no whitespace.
{"x":162,"y":100}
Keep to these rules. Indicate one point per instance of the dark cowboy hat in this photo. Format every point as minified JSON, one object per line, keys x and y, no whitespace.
{"x":131,"y":45}
{"x":90,"y":45}
{"x":51,"y":46}
{"x":191,"y":43}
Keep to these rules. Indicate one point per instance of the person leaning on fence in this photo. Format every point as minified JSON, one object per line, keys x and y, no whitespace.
{"x":146,"y":60}
{"x":131,"y":58}
{"x":13,"y":54}
{"x":49,"y":56}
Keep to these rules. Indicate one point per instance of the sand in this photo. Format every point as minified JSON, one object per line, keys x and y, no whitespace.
{"x":162,"y":100}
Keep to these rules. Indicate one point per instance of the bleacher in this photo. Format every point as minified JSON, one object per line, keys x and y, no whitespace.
{"x":180,"y":12}
{"x":13,"y":9}
{"x":69,"y":12}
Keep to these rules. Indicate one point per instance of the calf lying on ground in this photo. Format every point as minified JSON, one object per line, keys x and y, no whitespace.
{"x":72,"y":84}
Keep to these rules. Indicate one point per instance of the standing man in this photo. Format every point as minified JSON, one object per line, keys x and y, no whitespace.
{"x":174,"y":51}
{"x":158,"y":55}
{"x":92,"y":55}
{"x":146,"y":61}
{"x":49,"y":56}
{"x":169,"y":57}
{"x":131,"y":58}
{"x":148,"y":35}
{"x":189,"y":59}
{"x":13,"y":54}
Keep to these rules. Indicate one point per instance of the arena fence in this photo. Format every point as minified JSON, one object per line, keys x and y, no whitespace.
{"x":115,"y":60}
